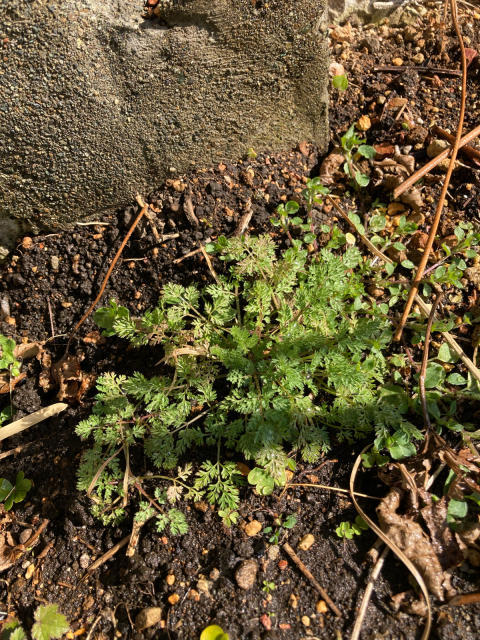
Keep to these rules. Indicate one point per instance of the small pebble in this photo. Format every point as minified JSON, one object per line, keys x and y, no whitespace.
{"x":273,"y":552}
{"x":147,"y":618}
{"x":418,"y":58}
{"x":253,"y":527}
{"x":293,"y":601}
{"x":397,"y":62}
{"x":174,"y":598}
{"x":306,"y":542}
{"x":305,"y":621}
{"x":321,"y":607}
{"x":203,"y":586}
{"x":84,"y":561}
{"x":246,"y":574}
{"x":55,"y":262}
{"x":436,"y":147}
{"x":214,"y":574}
{"x":27,"y":243}
{"x":364,"y":123}
{"x":170,"y":579}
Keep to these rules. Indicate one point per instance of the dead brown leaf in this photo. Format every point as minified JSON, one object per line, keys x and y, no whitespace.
{"x":7,"y":383}
{"x":330,"y":165}
{"x":409,"y":536}
{"x":72,"y":381}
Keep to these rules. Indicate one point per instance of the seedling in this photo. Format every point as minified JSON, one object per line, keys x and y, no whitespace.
{"x":355,"y":148}
{"x":7,"y":357}
{"x":340,"y":82}
{"x":268,"y":586}
{"x":10,"y":493}
{"x":289,"y":522}
{"x":49,"y":624}
{"x":347,"y":530}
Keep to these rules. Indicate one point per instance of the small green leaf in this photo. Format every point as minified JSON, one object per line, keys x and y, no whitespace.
{"x":309,"y":238}
{"x":367,"y":151}
{"x":457,"y":509}
{"x":213,"y":632}
{"x":290,"y":522}
{"x":12,"y":631}
{"x":291,"y":207}
{"x":445,"y":354}
{"x":264,"y":483}
{"x":434,"y":376}
{"x":6,"y":488}
{"x":340,"y":82}
{"x":361,"y":179}
{"x":407,"y":264}
{"x":49,"y":623}
{"x":457,"y":379}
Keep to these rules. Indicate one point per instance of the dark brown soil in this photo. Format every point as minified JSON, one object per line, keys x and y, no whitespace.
{"x":51,"y":279}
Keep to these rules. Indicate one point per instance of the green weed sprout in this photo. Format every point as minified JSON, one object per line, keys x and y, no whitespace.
{"x":354,"y":148}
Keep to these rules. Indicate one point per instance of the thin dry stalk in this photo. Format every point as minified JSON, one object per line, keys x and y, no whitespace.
{"x":209,"y":264}
{"x":433,"y":230}
{"x":368,"y":594}
{"x":144,"y":208}
{"x":328,"y":488}
{"x":466,"y":149}
{"x":106,"y":556}
{"x":392,"y":546}
{"x":424,"y":307}
{"x":31,"y":420}
{"x":418,"y":175}
{"x":423,"y":368}
{"x":293,"y":556}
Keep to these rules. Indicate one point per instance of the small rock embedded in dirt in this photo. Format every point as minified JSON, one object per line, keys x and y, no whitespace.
{"x":203,"y":586}
{"x":170,"y":579}
{"x":293,"y":601}
{"x":364,"y":123}
{"x":84,"y":561}
{"x":174,"y":598}
{"x":273,"y":552}
{"x":27,"y":243}
{"x":321,"y":607}
{"x":147,"y":618}
{"x":214,"y":574}
{"x":246,"y":574}
{"x":266,"y":621}
{"x":306,"y":542}
{"x":397,"y":62}
{"x":305,"y":621}
{"x":55,"y":262}
{"x":436,"y":147}
{"x":253,"y":527}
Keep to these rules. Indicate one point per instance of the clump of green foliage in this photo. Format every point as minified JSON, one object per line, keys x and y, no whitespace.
{"x":279,"y":354}
{"x":280,"y":526}
{"x":347,"y":530}
{"x":7,"y":356}
{"x":49,"y":624}
{"x":10,"y":493}
{"x":354,"y":148}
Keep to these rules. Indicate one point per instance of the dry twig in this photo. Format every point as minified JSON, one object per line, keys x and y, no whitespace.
{"x":106,"y":556}
{"x":368,"y":594}
{"x":293,"y":556}
{"x":418,"y":175}
{"x":143,"y":211}
{"x":29,"y":421}
{"x":433,"y":229}
{"x":391,"y":545}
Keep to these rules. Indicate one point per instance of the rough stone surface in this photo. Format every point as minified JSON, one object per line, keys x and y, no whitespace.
{"x":366,"y":10}
{"x":98,"y":103}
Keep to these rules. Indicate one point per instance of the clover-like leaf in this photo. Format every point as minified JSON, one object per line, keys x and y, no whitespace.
{"x":49,"y":623}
